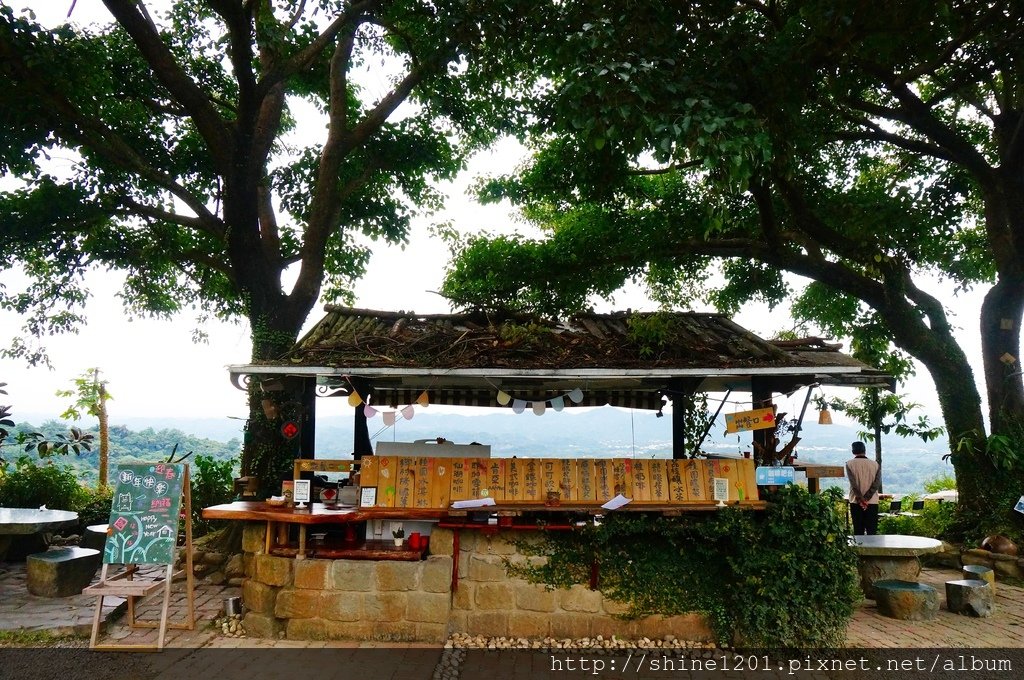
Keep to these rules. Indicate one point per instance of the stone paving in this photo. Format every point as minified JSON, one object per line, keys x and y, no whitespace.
{"x":868,"y":629}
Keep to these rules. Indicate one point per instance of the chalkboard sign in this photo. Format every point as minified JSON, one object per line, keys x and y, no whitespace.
{"x":143,"y":527}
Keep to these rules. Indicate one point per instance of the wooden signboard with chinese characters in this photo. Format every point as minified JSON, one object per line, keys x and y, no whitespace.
{"x":434,"y":483}
{"x":586,"y":489}
{"x":148,"y":502}
{"x":459,"y":485}
{"x":404,"y":488}
{"x":604,"y":484}
{"x":421,"y":482}
{"x":495,"y":478}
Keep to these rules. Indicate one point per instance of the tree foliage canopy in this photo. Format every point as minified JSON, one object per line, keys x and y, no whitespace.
{"x":858,"y":145}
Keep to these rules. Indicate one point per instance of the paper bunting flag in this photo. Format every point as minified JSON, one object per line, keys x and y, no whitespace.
{"x":354,"y":399}
{"x":503,"y":398}
{"x":423,"y":400}
{"x":558,"y":403}
{"x":389,"y":418}
{"x":576,"y":395}
{"x":539,"y":407}
{"x":518,"y":405}
{"x":408,"y":412}
{"x":369,"y":411}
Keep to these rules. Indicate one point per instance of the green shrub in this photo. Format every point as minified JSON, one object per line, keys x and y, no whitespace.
{"x":28,"y":485}
{"x":785,"y":577}
{"x":934,"y":520}
{"x":95,"y":507}
{"x":212,"y":483}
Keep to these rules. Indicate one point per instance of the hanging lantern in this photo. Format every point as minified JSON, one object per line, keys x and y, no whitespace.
{"x":824,"y":415}
{"x":408,"y":412}
{"x":389,"y":418}
{"x":558,"y":403}
{"x":539,"y":407}
{"x":423,"y":399}
{"x":354,"y":399}
{"x":576,"y":396}
{"x":518,"y":405}
{"x":369,"y":411}
{"x":504,"y":398}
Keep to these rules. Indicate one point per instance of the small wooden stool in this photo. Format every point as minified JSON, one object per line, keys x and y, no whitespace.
{"x":970,"y":597}
{"x":62,"y":572}
{"x":981,"y":573}
{"x":906,"y":600}
{"x":95,"y":537}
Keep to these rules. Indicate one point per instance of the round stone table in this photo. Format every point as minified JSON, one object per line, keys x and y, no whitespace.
{"x":30,"y":521}
{"x":890,"y":557}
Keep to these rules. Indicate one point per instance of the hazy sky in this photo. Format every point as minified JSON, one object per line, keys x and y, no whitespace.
{"x":154,"y":368}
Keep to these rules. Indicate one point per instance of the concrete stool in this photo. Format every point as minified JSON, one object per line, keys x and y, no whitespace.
{"x":61,"y":572}
{"x":906,"y":600}
{"x":95,"y":537}
{"x":981,"y":573}
{"x":970,"y":597}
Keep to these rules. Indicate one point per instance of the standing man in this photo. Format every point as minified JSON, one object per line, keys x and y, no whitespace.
{"x":865,"y":477}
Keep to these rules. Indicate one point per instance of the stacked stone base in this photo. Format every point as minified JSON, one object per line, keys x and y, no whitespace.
{"x":315,"y":599}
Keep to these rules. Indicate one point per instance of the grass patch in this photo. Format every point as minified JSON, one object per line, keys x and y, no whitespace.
{"x":36,"y":638}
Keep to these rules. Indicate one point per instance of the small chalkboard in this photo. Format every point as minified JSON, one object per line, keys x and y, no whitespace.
{"x":144,"y":514}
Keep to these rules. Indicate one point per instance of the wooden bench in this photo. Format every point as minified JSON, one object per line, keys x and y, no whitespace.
{"x":970,"y":597}
{"x":62,"y":572}
{"x":906,"y":600}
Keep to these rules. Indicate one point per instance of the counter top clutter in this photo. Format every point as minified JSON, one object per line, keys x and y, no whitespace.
{"x":527,"y":494}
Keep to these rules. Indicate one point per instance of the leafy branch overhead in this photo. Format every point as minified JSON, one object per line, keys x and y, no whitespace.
{"x":711,"y":149}
{"x":191,"y":175}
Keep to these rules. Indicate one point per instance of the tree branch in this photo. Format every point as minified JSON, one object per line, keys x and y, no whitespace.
{"x":146,"y":37}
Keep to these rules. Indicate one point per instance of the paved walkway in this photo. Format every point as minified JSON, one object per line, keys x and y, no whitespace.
{"x":868,"y":629}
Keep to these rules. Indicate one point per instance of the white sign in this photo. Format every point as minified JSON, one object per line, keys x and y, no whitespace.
{"x":721,"y":490}
{"x":616,"y":502}
{"x":367,"y":497}
{"x":301,"y":491}
{"x":1020,"y":505}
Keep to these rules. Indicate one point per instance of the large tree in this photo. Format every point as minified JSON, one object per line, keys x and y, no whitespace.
{"x":191,"y":171}
{"x":858,"y":144}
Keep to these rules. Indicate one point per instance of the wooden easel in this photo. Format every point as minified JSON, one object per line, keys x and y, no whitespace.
{"x":124,"y":584}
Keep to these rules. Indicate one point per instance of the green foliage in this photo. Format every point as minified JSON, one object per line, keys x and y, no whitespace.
{"x":95,"y":507}
{"x":935,"y":520}
{"x":27,"y":485}
{"x":212,"y":484}
{"x":784,"y":577}
{"x":940,"y":483}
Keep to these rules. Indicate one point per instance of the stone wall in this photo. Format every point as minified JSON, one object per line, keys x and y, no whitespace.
{"x":314,"y":599}
{"x":1005,"y":566}
{"x":413,"y":601}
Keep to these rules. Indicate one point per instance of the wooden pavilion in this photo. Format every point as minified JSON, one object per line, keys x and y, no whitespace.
{"x":628,"y":359}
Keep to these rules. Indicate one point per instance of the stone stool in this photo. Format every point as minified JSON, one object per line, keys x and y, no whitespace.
{"x":906,"y":600}
{"x":61,"y":572}
{"x":95,"y":537}
{"x":981,"y":573}
{"x":970,"y":597}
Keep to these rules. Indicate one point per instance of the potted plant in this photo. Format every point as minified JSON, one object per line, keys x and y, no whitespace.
{"x":399,"y":535}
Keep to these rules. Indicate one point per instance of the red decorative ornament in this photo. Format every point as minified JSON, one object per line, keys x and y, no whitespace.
{"x":290,"y":429}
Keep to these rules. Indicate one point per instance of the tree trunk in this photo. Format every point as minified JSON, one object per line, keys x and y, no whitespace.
{"x":878,"y":449}
{"x":104,"y":421}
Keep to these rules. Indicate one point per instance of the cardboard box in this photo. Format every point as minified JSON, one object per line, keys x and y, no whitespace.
{"x":429,"y":448}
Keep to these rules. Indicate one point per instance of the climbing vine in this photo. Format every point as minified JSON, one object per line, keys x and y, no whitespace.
{"x":784,"y":577}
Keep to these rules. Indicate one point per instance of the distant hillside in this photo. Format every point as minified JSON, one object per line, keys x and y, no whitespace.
{"x":604,"y":432}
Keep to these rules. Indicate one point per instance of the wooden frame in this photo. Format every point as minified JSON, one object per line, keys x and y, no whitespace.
{"x":125,"y":585}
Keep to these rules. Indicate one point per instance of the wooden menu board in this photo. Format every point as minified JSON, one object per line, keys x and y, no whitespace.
{"x":432,"y":483}
{"x":144,"y":514}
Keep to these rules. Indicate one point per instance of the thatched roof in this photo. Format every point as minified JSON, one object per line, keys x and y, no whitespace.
{"x":626,"y":353}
